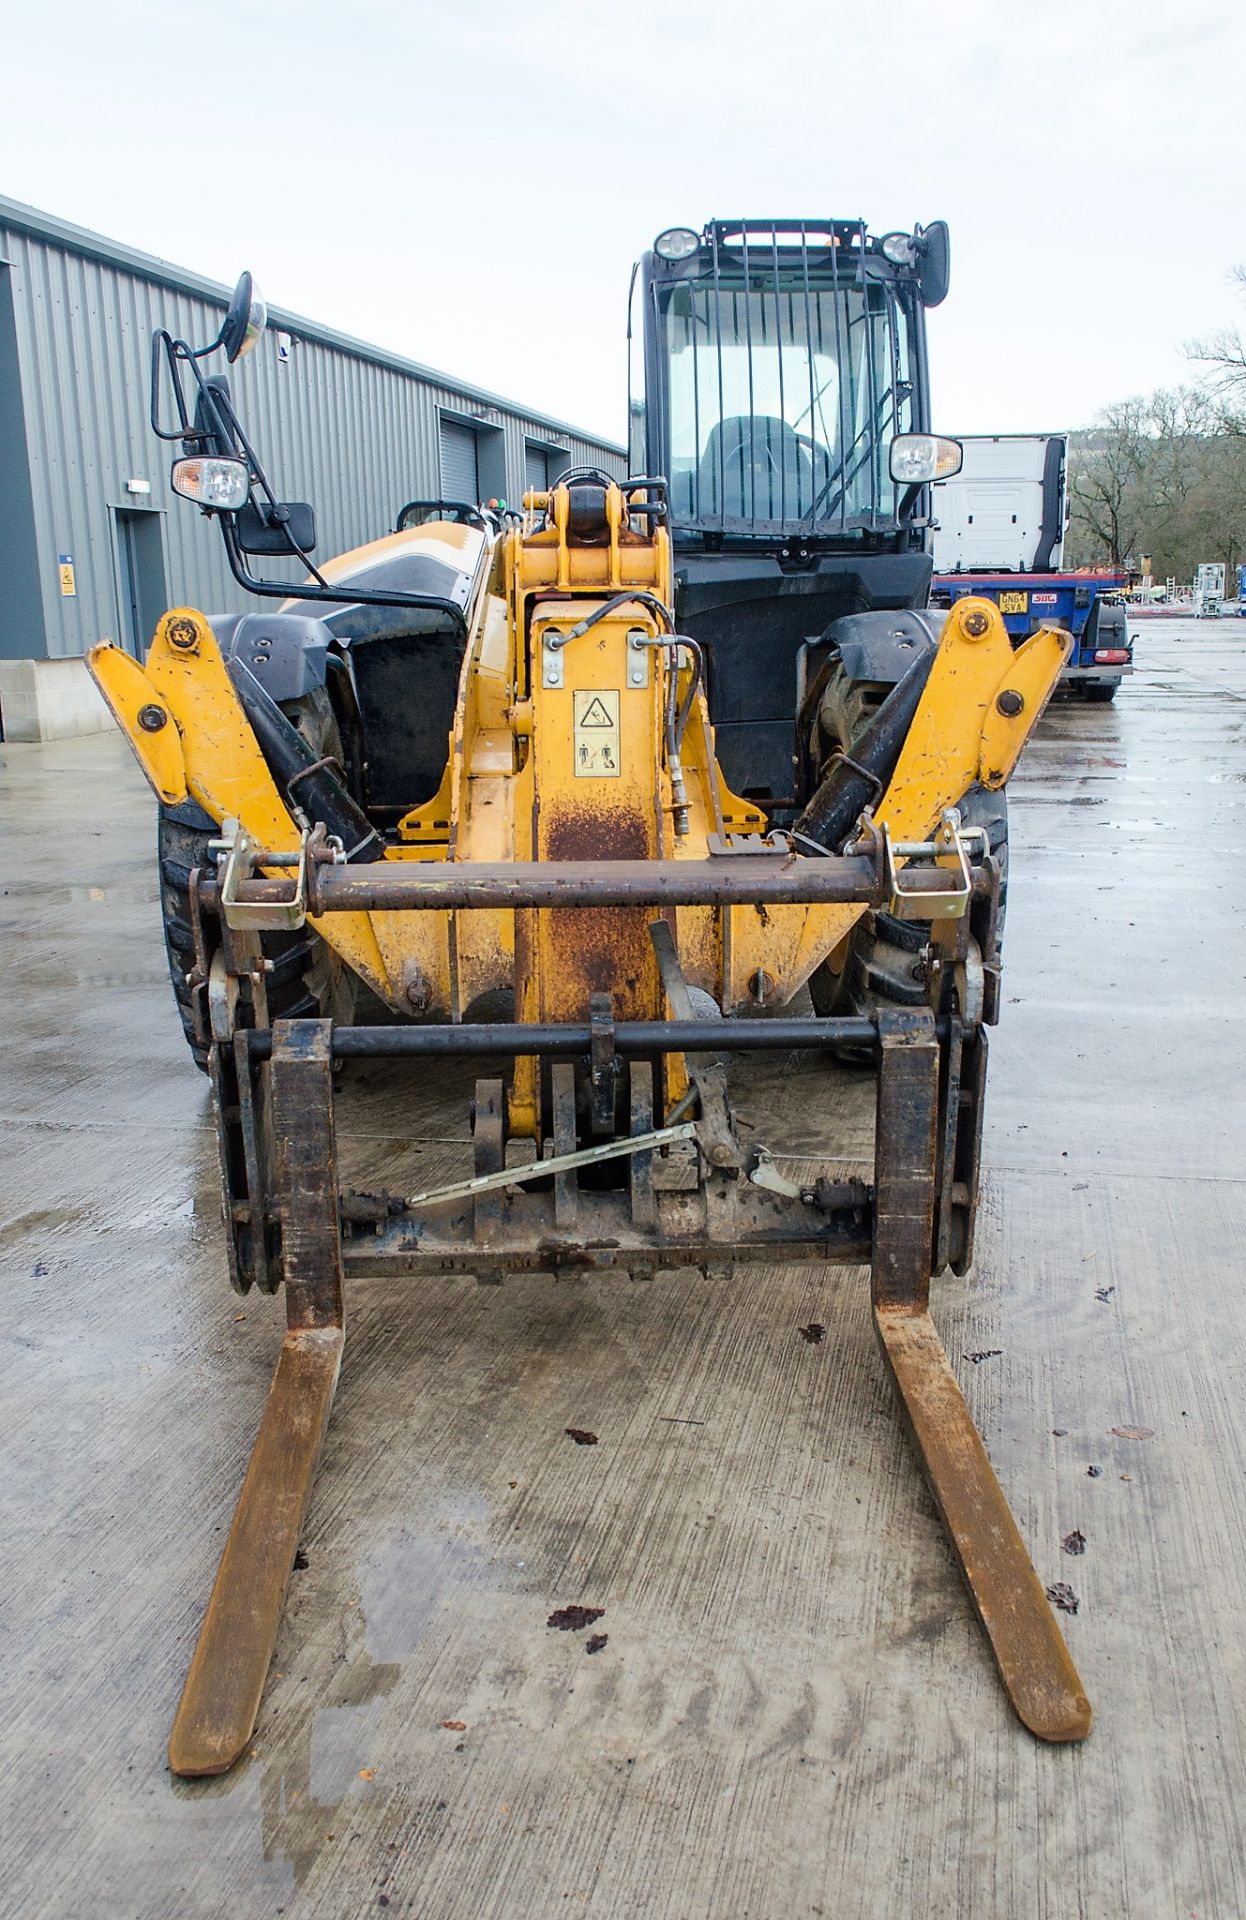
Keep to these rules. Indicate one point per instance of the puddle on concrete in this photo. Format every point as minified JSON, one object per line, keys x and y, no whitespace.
{"x":317,"y":1758}
{"x":406,"y":1577}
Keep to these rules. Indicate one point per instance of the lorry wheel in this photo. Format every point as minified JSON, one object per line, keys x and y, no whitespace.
{"x":308,"y":979}
{"x":882,"y":962}
{"x":1100,"y":695}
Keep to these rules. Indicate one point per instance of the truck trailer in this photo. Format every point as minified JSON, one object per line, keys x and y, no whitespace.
{"x":999,"y":534}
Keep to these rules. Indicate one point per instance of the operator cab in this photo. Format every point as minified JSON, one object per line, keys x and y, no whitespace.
{"x":777,"y":376}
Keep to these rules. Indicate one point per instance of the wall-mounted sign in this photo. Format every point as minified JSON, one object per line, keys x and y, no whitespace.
{"x":65,"y":568}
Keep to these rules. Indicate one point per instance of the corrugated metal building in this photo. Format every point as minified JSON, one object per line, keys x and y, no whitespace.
{"x":92,"y":541}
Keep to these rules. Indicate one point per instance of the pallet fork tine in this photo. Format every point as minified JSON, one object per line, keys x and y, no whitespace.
{"x":216,"y":1716}
{"x":1034,"y":1663}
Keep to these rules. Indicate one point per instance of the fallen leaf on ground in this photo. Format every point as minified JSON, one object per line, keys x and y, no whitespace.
{"x":813,"y":1333}
{"x":1074,"y":1542}
{"x":455,"y":1726}
{"x":1134,"y":1433}
{"x":367,"y":1773}
{"x":581,"y":1436}
{"x":984,"y":1353}
{"x":595,"y":1642}
{"x":1061,"y":1595}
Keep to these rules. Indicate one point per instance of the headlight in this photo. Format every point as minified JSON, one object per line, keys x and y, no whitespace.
{"x":919,"y":457}
{"x":899,"y":249}
{"x":220,"y":484}
{"x":677,"y":243}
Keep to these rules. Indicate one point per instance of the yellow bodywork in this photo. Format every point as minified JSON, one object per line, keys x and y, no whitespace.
{"x":528,"y":778}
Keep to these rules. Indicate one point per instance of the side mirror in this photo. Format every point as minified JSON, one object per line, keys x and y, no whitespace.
{"x":245,"y":320}
{"x":934,"y":263}
{"x":278,"y":530}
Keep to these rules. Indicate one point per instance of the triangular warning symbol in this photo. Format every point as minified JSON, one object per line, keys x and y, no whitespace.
{"x":595,"y":715}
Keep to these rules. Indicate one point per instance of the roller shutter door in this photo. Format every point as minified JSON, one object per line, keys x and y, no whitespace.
{"x":460,"y":474}
{"x":536,"y":473}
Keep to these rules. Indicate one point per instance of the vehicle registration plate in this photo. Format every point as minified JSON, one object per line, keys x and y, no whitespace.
{"x":1014,"y":602}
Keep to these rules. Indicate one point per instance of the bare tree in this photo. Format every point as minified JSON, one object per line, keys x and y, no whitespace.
{"x":1165,"y":475}
{"x":1105,"y":480}
{"x":1224,"y":354}
{"x":1159,"y":476}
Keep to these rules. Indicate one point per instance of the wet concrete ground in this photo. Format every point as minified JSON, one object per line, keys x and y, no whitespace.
{"x":794,"y":1713}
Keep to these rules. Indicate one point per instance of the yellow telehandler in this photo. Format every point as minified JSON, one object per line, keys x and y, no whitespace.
{"x":541,"y":783}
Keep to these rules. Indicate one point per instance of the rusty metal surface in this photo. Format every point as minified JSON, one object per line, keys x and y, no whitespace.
{"x":396,"y":885}
{"x":216,"y":1715}
{"x":597,"y":1232}
{"x":1034,"y":1663}
{"x":301,"y":1094}
{"x":904,"y":1147}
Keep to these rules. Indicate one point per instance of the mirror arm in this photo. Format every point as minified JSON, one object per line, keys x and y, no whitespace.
{"x":165,"y":350}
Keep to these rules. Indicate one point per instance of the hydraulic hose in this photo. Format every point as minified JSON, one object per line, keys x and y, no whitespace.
{"x":313,"y":786}
{"x":856,"y":781}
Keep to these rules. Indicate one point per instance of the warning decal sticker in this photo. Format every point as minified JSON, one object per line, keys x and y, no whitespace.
{"x":596,"y":733}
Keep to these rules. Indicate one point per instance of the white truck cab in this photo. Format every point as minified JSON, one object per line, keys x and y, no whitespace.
{"x":1005,"y":511}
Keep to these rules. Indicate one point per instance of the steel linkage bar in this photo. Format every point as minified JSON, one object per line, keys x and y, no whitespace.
{"x":439,"y":885}
{"x":632,"y":1038}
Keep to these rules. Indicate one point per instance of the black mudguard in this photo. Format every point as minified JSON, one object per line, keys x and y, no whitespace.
{"x":1107,"y":626}
{"x":881,"y":647}
{"x":285,"y":652}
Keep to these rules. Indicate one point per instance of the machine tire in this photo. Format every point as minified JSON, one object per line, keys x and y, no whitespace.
{"x":883,"y":962}
{"x":1100,"y":695}
{"x":847,"y":708}
{"x":308,"y":980}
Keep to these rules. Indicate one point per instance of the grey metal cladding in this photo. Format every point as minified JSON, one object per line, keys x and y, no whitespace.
{"x":22,"y":631}
{"x":351,"y":428}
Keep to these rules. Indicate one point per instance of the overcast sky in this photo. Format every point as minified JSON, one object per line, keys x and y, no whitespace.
{"x":469,"y":184}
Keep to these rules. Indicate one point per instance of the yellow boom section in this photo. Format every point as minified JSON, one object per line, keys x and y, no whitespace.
{"x":223,"y":768}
